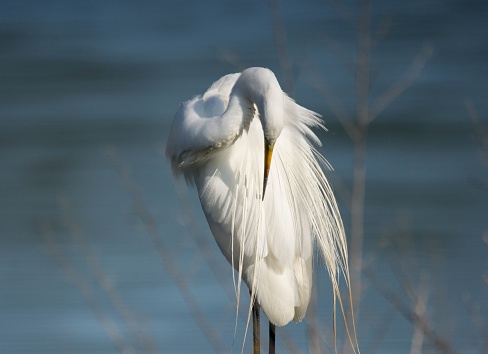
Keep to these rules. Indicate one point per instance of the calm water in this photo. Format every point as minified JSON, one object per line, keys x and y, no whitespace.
{"x":79,"y":271}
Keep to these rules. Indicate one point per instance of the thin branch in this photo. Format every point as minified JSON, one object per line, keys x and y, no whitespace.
{"x":233,"y":59}
{"x":169,"y":263}
{"x":420,"y":310}
{"x":202,"y":241}
{"x":478,"y":321}
{"x":384,"y":325}
{"x":128,"y":317}
{"x":341,"y":54}
{"x":419,"y":322}
{"x":382,"y":31}
{"x":281,"y":45}
{"x":344,"y":13}
{"x":399,"y":269}
{"x":474,"y":309}
{"x":363,"y":68}
{"x":485,"y":239}
{"x":472,"y":112}
{"x":480,"y":130}
{"x":312,"y":325}
{"x":335,"y":105}
{"x":403,"y":83}
{"x":86,"y":290}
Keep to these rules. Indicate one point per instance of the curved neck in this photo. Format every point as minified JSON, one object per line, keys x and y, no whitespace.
{"x":259,"y":86}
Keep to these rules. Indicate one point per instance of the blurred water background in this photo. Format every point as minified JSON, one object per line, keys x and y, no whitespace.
{"x":101,"y":252}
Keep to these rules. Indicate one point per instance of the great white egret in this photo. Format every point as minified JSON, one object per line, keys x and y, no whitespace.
{"x":248,"y":149}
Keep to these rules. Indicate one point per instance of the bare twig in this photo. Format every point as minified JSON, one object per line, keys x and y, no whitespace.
{"x":418,"y":321}
{"x":282,"y":46}
{"x":128,"y":317}
{"x":231,"y":58}
{"x":312,"y":325}
{"x":86,"y":290}
{"x":202,"y":241}
{"x":382,"y":31}
{"x":344,"y":12}
{"x":340,"y":53}
{"x":478,"y":321}
{"x":397,"y":88}
{"x":320,"y":83}
{"x":167,"y":259}
{"x":380,"y":330}
{"x":359,"y":169}
{"x":401,"y":270}
{"x":420,"y":311}
{"x":481,"y":136}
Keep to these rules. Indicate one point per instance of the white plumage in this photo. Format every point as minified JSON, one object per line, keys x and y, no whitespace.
{"x":217,"y":142}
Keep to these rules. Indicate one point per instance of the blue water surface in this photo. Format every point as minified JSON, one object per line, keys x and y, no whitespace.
{"x":102,"y":252}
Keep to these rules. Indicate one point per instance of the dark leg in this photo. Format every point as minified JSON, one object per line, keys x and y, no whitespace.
{"x":255,"y":327}
{"x":272,"y":333}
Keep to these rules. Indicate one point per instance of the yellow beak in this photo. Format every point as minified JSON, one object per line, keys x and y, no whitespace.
{"x":268,"y":152}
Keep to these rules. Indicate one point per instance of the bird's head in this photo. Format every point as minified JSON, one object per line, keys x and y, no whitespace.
{"x":261,"y":87}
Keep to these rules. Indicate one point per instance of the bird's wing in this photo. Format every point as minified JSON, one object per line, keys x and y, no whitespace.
{"x":199,"y":127}
{"x":230,"y":186}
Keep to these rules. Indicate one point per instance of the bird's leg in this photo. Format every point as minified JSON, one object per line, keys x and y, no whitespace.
{"x":255,"y":326}
{"x":272,"y":333}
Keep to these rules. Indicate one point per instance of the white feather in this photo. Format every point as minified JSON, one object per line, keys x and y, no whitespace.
{"x":217,"y":142}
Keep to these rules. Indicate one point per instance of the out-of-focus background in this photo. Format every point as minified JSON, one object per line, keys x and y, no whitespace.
{"x":102,"y":252}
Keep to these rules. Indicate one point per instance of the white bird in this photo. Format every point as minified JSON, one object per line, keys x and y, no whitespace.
{"x":249,"y":150}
